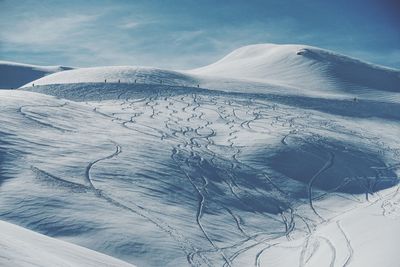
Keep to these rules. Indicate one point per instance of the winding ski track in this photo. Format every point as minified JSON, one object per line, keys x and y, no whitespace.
{"x":22,"y":111}
{"x":204,"y":134}
{"x":348,"y":244}
{"x":327,"y":165}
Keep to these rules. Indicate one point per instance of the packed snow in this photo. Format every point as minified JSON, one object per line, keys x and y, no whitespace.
{"x":232,"y":164}
{"x":14,"y":75}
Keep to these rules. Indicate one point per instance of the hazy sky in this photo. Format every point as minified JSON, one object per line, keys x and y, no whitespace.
{"x":186,"y":34}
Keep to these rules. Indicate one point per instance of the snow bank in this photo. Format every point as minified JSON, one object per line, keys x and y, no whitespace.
{"x":22,"y":247}
{"x":14,"y":75}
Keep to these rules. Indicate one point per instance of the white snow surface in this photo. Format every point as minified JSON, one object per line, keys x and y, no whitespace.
{"x":14,"y":75}
{"x":239,"y":172}
{"x":305,"y":67}
{"x":22,"y":247}
{"x":296,"y":69}
{"x":124,"y":74}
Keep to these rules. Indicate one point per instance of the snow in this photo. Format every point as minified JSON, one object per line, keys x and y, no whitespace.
{"x":314,"y":71}
{"x":14,"y":75}
{"x":124,"y":74}
{"x":22,"y":247}
{"x":261,"y":68}
{"x":243,"y":171}
{"x":359,"y":237}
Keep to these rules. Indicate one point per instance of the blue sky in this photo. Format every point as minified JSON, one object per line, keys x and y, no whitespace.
{"x":186,"y":34}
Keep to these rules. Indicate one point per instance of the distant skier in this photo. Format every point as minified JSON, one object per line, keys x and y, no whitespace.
{"x":105,"y":80}
{"x":198,"y":85}
{"x":135,"y":80}
{"x":119,"y":81}
{"x":33,"y":85}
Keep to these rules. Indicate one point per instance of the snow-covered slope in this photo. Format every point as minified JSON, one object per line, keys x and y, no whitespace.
{"x":190,"y":177}
{"x":263,"y":68}
{"x":301,"y":66}
{"x":365,"y":236}
{"x":14,"y":75}
{"x":123,"y":74}
{"x":21,"y":247}
{"x":169,"y":174}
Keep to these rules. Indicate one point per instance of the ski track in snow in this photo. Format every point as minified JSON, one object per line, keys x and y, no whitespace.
{"x":289,"y":225}
{"x":349,"y":247}
{"x":326,"y":166}
{"x":209,"y":140}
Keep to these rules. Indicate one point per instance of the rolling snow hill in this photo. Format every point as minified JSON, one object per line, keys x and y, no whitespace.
{"x":249,"y":169}
{"x":124,"y":74}
{"x":263,"y":68}
{"x":14,"y":75}
{"x":305,"y":67}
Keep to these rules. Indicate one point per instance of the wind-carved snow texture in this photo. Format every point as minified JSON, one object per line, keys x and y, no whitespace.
{"x":174,"y":176}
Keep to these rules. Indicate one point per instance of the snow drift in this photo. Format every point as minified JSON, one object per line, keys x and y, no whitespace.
{"x":14,"y":75}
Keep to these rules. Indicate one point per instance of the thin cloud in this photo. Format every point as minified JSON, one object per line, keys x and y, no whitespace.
{"x":130,"y":25}
{"x":46,"y":31}
{"x":169,"y":35}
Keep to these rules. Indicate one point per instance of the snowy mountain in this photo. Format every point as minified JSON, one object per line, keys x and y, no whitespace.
{"x":14,"y":75}
{"x":22,"y":247}
{"x":265,"y":158}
